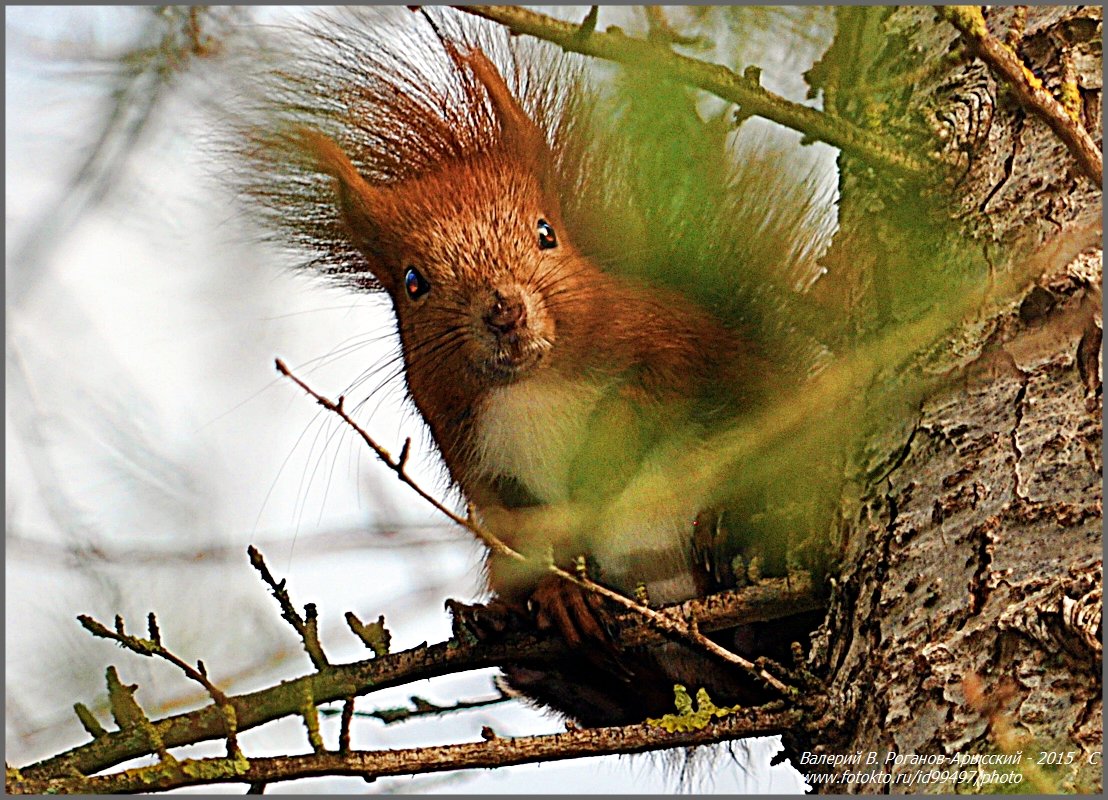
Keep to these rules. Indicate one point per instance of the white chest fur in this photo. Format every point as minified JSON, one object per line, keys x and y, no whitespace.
{"x":531,"y":430}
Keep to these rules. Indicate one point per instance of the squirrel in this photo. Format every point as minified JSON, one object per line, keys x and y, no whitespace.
{"x":549,"y":345}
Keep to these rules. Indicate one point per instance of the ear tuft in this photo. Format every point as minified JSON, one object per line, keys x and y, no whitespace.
{"x":327,"y":156}
{"x":517,"y":131}
{"x":359,"y":202}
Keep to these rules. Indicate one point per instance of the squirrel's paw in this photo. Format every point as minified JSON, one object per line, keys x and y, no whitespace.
{"x":487,"y":620}
{"x":576,"y":613}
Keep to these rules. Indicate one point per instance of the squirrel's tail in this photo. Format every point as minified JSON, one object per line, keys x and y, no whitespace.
{"x":727,"y":219}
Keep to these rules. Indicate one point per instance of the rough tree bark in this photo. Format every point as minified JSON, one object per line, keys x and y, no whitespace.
{"x":969,"y":602}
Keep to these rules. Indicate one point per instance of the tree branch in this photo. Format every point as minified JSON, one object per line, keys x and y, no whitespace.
{"x":772,"y":599}
{"x":154,"y":647}
{"x":333,"y":683}
{"x":494,"y":752}
{"x":1028,"y":89}
{"x":614,"y":45}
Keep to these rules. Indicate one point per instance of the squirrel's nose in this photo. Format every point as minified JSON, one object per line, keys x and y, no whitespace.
{"x":506,"y":313}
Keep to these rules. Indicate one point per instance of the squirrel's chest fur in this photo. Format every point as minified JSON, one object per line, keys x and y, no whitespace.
{"x":535,"y":433}
{"x":532,"y":430}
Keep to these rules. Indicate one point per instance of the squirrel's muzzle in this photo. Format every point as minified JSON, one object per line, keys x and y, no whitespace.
{"x":506,"y":314}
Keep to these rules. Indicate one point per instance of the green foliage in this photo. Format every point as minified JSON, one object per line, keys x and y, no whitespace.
{"x":726,"y":219}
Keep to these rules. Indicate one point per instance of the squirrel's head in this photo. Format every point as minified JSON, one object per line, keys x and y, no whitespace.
{"x":473,"y":252}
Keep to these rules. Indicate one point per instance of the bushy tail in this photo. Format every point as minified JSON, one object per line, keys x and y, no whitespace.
{"x":726,"y":219}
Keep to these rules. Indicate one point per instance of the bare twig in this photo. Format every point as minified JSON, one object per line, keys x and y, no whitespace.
{"x":398,"y":466}
{"x":420,"y":708}
{"x":1028,"y":89}
{"x":154,"y":647}
{"x":616,"y":46}
{"x":344,"y":724}
{"x":306,"y":627}
{"x":683,"y":629}
{"x":496,"y":752}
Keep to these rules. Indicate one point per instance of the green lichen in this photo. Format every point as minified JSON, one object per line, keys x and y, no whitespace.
{"x":121,"y":697}
{"x":89,"y":721}
{"x":375,"y":635}
{"x":687,"y":717}
{"x":968,"y":19}
{"x":211,"y":769}
{"x":311,"y":720}
{"x":1070,"y":98}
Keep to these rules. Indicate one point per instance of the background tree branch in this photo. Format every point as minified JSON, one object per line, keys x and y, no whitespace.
{"x":493,"y":752}
{"x":752,"y":98}
{"x":1002,"y":59}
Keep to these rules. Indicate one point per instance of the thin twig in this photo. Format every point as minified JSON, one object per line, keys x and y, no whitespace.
{"x":398,"y":466}
{"x":154,"y":647}
{"x":616,"y":46}
{"x":344,"y":724}
{"x":305,"y":628}
{"x":420,"y":708}
{"x":685,"y":630}
{"x":1028,"y":89}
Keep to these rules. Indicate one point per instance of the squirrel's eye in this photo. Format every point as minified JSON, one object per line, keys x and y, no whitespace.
{"x":415,"y":284}
{"x":547,"y":239}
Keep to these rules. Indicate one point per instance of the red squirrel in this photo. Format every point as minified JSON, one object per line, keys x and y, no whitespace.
{"x":550,"y":381}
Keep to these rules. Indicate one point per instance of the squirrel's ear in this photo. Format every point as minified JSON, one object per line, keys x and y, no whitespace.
{"x":360,"y":203}
{"x":517,"y":131}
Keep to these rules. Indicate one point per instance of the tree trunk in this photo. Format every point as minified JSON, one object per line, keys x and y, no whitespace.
{"x":967,"y":613}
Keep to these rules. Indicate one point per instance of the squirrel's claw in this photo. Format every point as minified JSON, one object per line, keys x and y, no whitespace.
{"x":577,"y":614}
{"x":486,"y":620}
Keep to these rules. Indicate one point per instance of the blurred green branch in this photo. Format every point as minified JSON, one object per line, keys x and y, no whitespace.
{"x":614,"y":45}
